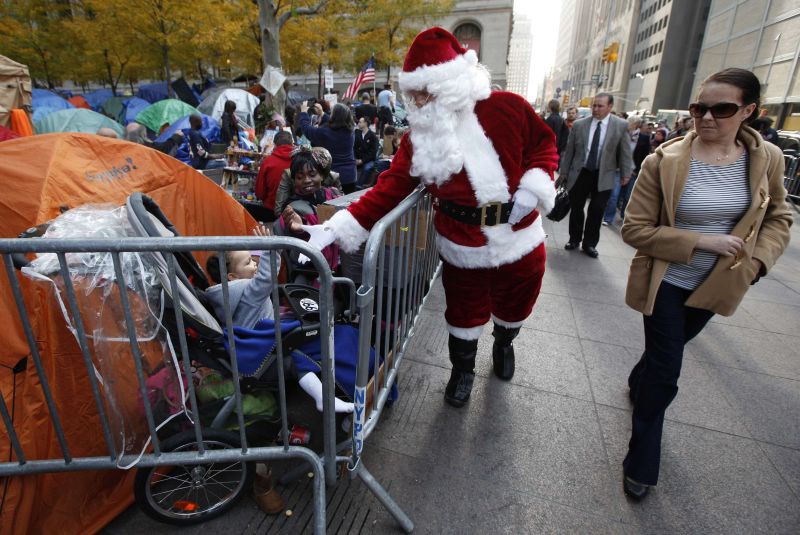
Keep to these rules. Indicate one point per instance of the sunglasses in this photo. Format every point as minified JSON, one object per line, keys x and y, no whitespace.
{"x":722,"y":110}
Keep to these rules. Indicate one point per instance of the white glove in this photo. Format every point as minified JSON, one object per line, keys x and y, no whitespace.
{"x":320,"y":237}
{"x":524,"y":203}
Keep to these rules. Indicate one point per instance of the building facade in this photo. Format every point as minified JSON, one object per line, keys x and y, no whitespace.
{"x":519,"y":55}
{"x":762,"y":36}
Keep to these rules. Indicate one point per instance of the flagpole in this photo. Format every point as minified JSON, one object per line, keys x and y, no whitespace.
{"x":374,"y":90}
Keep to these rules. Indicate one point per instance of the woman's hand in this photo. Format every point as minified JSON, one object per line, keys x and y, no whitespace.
{"x":722,"y":244}
{"x":293,"y":220}
{"x":304,"y":107}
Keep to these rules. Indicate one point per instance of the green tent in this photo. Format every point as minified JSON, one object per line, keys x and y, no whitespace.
{"x":114,"y":108}
{"x":76,"y":120}
{"x":164,"y":112}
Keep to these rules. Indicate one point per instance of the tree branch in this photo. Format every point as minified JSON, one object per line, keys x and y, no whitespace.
{"x":300,"y":11}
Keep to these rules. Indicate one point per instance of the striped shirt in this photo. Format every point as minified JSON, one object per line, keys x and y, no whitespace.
{"x":714,"y":199}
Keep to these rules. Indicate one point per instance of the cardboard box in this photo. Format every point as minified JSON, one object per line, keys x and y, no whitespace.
{"x":325,"y":211}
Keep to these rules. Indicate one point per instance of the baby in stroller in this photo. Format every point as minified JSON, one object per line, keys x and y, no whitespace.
{"x":250,"y":285}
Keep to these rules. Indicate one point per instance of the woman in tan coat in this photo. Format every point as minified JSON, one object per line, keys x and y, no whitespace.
{"x":708,"y":217}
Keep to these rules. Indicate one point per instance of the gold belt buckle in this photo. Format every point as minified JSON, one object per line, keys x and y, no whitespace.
{"x":498,"y":212}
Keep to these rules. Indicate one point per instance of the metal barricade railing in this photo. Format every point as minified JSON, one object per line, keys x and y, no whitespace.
{"x":155,"y":456}
{"x":400,"y":264}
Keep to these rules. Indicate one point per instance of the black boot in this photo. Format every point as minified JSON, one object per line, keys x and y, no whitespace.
{"x":462,"y":355}
{"x":503,"y":351}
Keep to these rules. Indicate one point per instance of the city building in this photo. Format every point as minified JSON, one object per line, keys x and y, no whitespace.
{"x":763,"y":36}
{"x":519,"y":55}
{"x":666,"y":46}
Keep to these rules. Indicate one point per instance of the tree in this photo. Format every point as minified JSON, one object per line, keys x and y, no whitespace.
{"x":33,"y":32}
{"x":272,"y":16}
{"x":386,"y":28}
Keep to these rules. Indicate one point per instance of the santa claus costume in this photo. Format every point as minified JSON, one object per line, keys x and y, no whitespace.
{"x":488,"y":159}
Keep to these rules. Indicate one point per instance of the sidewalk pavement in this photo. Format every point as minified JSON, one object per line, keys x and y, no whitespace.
{"x":543,"y":454}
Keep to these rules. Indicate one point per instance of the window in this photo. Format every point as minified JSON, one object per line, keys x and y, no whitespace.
{"x":660,"y":45}
{"x":469,"y":35}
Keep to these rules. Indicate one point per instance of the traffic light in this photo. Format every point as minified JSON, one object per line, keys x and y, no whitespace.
{"x":566,"y":100}
{"x":613,"y":52}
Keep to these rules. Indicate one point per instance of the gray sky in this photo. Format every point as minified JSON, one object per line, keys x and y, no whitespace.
{"x":546,"y":15}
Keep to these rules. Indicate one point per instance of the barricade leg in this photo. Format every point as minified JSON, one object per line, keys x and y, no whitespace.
{"x":377,"y":489}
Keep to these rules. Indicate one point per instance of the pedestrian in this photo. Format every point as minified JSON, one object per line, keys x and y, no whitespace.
{"x":229,"y":131}
{"x":488,"y":160}
{"x":366,"y":109}
{"x":572,"y":116}
{"x":556,"y":124}
{"x":386,"y":103}
{"x":634,"y":125}
{"x":200,"y":149}
{"x":764,"y":127}
{"x":365,"y":150}
{"x":272,"y":168}
{"x":598,"y":147}
{"x":708,"y":218}
{"x":641,"y":151}
{"x":338,"y":137}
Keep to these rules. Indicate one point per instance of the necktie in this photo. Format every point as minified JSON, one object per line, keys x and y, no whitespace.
{"x":591,"y":160}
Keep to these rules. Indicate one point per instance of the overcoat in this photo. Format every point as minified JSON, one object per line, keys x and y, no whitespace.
{"x":650,"y":226}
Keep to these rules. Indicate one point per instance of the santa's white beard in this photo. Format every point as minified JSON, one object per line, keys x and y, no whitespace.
{"x":437,"y":152}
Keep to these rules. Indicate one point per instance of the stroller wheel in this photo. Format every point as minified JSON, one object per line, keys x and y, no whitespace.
{"x":185,"y":494}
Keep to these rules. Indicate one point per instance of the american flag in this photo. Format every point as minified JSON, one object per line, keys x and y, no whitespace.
{"x":367,"y":74}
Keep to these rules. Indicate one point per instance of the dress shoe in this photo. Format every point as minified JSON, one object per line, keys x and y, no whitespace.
{"x":570,"y":246}
{"x":591,"y":252}
{"x":635,"y":490}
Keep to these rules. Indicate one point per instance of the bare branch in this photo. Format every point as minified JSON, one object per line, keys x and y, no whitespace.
{"x":301,"y":11}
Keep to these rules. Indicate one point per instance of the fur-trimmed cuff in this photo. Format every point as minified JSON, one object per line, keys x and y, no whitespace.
{"x":465,"y":333}
{"x":507,"y":324}
{"x":539,"y":182}
{"x":349,"y":233}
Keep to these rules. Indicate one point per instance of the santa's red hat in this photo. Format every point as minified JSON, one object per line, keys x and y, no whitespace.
{"x":437,"y":62}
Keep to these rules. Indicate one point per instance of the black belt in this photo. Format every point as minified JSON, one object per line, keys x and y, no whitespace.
{"x":488,"y":215}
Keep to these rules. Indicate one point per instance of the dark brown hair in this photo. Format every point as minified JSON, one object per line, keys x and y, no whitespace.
{"x":746,"y":81}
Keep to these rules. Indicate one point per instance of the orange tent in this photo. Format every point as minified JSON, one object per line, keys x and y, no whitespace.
{"x":44,"y":173}
{"x":79,"y":102}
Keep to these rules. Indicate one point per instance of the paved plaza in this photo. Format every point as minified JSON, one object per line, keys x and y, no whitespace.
{"x":543,"y":454}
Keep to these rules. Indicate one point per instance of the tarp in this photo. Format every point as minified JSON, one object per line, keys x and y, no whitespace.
{"x":72,"y":170}
{"x":214,"y":103}
{"x":153,"y":92}
{"x":133,"y":106}
{"x":77,"y":120}
{"x":164,"y":112}
{"x":114,"y":108}
{"x":210,"y":131}
{"x":15,"y":88}
{"x":185,"y":92}
{"x":7,"y":133}
{"x":97,"y":97}
{"x":296,"y":96}
{"x":79,"y":102}
{"x":46,"y":102}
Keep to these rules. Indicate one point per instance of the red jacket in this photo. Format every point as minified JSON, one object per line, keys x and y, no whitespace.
{"x":506,"y":146}
{"x":269,"y":174}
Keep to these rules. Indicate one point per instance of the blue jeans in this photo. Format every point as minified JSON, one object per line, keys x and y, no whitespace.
{"x":366,"y":169}
{"x":625,"y":195}
{"x":611,"y":207}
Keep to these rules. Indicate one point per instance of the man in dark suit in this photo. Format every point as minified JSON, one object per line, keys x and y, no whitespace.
{"x":366,"y":109}
{"x":365,"y":149}
{"x":598,"y":147}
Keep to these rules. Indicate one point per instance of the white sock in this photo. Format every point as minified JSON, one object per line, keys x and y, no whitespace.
{"x":313,"y":387}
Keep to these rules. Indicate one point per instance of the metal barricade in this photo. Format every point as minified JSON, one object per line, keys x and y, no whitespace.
{"x":400,"y":263}
{"x":197,"y":453}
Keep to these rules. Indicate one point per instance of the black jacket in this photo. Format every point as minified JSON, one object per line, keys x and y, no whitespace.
{"x":556,"y":124}
{"x":366,"y":146}
{"x":366,"y":110}
{"x":641,"y":151}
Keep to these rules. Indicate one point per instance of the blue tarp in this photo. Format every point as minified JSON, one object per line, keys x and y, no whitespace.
{"x":45,"y":102}
{"x":132,"y":108}
{"x":210,"y":131}
{"x":97,"y":97}
{"x":153,"y":92}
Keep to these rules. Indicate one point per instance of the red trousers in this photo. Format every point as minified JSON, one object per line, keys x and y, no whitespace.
{"x":506,"y":292}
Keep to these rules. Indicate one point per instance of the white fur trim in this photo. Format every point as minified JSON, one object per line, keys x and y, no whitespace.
{"x":504,"y":246}
{"x":481,"y":161}
{"x":349,"y":233}
{"x":459,"y":82}
{"x":470,"y":333}
{"x":540,"y":184}
{"x":507,"y":324}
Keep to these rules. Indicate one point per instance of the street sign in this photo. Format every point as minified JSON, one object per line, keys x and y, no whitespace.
{"x":328,"y":78}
